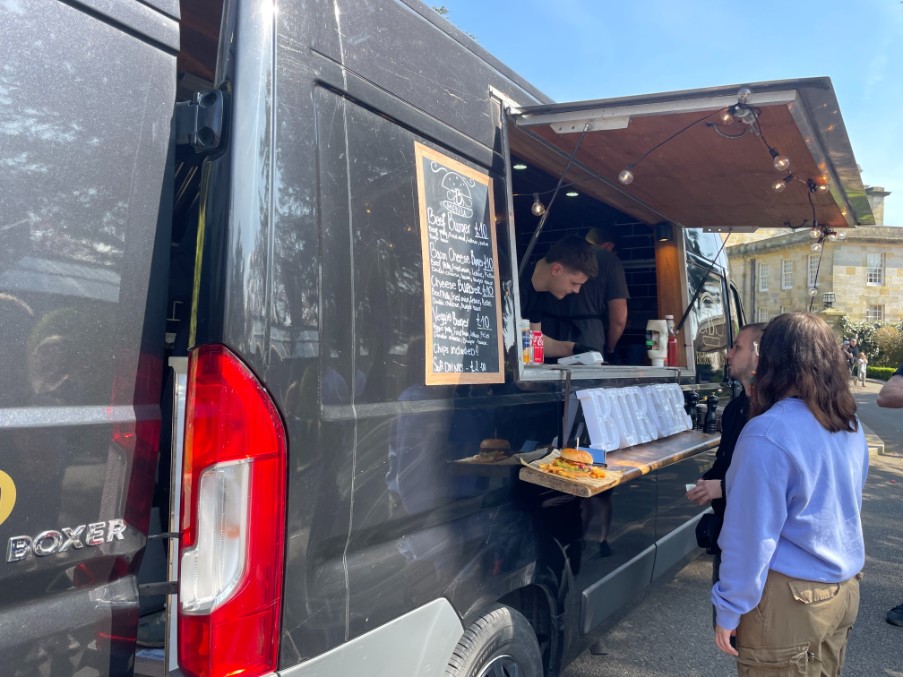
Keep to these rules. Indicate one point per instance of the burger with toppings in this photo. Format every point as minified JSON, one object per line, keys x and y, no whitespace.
{"x":492,"y":450}
{"x":575,"y":464}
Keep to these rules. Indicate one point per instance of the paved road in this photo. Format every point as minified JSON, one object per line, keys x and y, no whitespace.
{"x":670,"y":633}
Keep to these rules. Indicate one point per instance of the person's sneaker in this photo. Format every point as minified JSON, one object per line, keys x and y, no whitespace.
{"x":895,"y":615}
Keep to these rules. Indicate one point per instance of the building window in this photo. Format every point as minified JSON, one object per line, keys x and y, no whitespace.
{"x":874,"y":313}
{"x":786,"y":274}
{"x":763,"y":277}
{"x":812,"y":273}
{"x":875,"y":272}
{"x":761,"y":315}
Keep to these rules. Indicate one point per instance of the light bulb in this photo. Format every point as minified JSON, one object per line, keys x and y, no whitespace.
{"x":816,"y":246}
{"x":782,"y":163}
{"x":814,"y":233}
{"x":779,"y":186}
{"x":813,"y":291}
{"x":726,"y":117}
{"x":832,"y":236}
{"x":823,"y":187}
{"x":841,"y":236}
{"x":625,"y":176}
{"x":744,"y":94}
{"x":537,"y":209}
{"x":747,"y":115}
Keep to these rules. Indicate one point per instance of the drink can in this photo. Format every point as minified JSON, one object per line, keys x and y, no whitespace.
{"x":536,"y":343}
{"x":527,"y":344}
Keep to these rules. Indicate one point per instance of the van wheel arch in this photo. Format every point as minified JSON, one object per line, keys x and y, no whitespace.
{"x":498,"y":640}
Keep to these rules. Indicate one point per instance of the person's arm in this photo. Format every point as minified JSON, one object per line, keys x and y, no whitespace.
{"x":553,"y":347}
{"x":758,"y":477}
{"x":705,"y":491}
{"x":891,"y":393}
{"x":617,"y":322}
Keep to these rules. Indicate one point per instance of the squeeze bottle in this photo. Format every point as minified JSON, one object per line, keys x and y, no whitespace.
{"x":656,"y":342}
{"x":671,"y":360}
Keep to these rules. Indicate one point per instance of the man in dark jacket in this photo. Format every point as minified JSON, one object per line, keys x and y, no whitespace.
{"x":742,"y":360}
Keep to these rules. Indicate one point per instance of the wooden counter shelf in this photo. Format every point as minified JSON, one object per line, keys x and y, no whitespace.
{"x":628,"y":464}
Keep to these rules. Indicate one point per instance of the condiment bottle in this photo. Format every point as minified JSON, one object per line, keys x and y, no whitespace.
{"x":656,"y":342}
{"x":671,"y":360}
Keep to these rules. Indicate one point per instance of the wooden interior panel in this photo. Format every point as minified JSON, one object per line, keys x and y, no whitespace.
{"x":698,"y":177}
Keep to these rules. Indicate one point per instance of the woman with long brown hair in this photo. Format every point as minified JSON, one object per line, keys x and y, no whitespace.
{"x":792,"y":545}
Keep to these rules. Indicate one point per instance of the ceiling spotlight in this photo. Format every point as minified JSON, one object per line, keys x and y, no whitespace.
{"x":519,"y":166}
{"x":625,"y":176}
{"x":538,"y":209}
{"x":572,"y":193}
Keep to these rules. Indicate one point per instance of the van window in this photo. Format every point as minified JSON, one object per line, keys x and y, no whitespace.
{"x":707,"y":322}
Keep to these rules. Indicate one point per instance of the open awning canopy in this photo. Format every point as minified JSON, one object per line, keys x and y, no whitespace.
{"x":706,"y":158}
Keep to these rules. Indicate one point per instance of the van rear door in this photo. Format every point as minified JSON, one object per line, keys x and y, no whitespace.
{"x":86,"y":97}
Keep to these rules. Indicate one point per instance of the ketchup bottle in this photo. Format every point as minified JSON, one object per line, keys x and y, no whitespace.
{"x":671,"y":360}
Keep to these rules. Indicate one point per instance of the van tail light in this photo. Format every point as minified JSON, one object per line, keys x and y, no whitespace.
{"x":233,"y":521}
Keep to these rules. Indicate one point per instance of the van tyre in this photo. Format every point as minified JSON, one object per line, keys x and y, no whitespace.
{"x":501,"y":643}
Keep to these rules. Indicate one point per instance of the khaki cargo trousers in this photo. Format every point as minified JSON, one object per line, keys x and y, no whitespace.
{"x":799,"y":628}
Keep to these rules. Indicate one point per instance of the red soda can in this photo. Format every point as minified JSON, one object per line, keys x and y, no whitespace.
{"x":536,"y":342}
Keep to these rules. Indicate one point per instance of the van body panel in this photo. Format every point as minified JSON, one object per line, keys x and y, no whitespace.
{"x":416,"y":643}
{"x":82,"y":297}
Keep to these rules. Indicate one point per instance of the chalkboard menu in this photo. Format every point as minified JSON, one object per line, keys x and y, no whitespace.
{"x":463,"y":316}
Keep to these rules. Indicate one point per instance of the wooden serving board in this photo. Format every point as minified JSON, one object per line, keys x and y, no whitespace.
{"x":585,"y":488}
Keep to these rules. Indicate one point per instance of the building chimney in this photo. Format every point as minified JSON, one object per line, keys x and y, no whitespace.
{"x":876,"y":195}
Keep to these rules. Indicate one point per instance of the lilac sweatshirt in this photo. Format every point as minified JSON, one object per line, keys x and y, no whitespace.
{"x":794,"y":496}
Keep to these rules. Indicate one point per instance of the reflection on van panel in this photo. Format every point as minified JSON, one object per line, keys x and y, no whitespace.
{"x":32,"y":274}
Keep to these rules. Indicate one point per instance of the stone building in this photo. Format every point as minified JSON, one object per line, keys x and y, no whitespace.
{"x":860,"y":276}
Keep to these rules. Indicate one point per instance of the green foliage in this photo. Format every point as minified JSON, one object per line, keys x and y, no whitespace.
{"x":441,"y":9}
{"x":889,"y":343}
{"x":863,"y":331}
{"x":880,"y":373}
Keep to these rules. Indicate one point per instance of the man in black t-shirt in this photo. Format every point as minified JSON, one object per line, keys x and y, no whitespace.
{"x":570,"y":263}
{"x":595,"y":318}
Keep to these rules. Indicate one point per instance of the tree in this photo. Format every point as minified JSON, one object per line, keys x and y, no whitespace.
{"x":889,"y":343}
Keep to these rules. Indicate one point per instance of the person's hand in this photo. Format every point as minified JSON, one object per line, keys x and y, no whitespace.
{"x":723,"y":640}
{"x":705,"y":491}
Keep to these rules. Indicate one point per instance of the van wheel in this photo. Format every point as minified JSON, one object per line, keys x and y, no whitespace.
{"x":501,"y":643}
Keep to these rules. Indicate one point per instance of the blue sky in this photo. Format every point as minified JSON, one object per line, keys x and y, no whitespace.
{"x":590,"y":49}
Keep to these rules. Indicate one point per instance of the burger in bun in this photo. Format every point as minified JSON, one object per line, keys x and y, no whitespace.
{"x":575,"y":464}
{"x":492,"y":450}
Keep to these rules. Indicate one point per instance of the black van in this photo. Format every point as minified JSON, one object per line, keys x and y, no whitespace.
{"x":259,"y":301}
